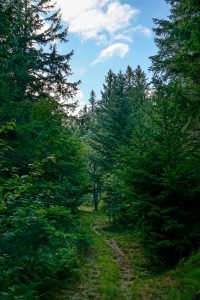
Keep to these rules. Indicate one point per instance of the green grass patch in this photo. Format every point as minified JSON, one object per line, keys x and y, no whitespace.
{"x":180,"y":283}
{"x":131,"y":246}
{"x":107,"y":282}
{"x":100,"y":278}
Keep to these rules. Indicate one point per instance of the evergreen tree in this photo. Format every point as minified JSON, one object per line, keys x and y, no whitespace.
{"x":138,"y":89}
{"x":112,"y":120}
{"x":178,"y":57}
{"x":30,"y":64}
{"x":122,"y":99}
{"x":178,"y":42}
{"x":42,"y":170}
{"x":92,"y":101}
{"x":108,"y":87}
{"x":165,"y":153}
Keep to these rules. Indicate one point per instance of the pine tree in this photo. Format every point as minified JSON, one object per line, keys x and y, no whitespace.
{"x":178,"y":41}
{"x":164,"y":160}
{"x":138,"y":89}
{"x":108,"y":87}
{"x":122,"y":99}
{"x":178,"y":57}
{"x":112,"y":120}
{"x":30,"y":64}
{"x":92,"y":101}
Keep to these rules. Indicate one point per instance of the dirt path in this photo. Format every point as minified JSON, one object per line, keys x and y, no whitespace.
{"x":107,"y":275}
{"x":125,"y":268}
{"x":126,"y":273}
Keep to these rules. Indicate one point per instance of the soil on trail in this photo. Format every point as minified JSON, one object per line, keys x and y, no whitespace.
{"x":115,"y":267}
{"x":124,"y":267}
{"x":126,"y":273}
{"x":107,"y":275}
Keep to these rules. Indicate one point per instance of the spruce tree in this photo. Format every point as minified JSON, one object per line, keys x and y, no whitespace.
{"x":165,"y":176}
{"x":31,"y":66}
{"x":92,"y":101}
{"x":178,"y":42}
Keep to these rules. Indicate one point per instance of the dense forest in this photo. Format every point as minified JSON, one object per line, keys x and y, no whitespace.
{"x":133,"y":155}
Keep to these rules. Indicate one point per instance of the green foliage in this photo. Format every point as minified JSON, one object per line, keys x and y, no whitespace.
{"x":31,"y":66}
{"x":42,"y":166}
{"x":139,"y":146}
{"x":178,"y":41}
{"x":182,"y":282}
{"x":148,"y":142}
{"x":40,"y":241}
{"x":114,"y":203}
{"x":87,"y":127}
{"x":119,"y":111}
{"x":162,"y":181}
{"x":166,"y":196}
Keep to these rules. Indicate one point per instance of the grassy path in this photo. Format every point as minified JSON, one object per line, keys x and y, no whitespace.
{"x":115,"y":268}
{"x":123,"y":265}
{"x":107,"y":275}
{"x":126,"y":273}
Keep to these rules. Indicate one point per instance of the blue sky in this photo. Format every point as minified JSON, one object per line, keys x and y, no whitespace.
{"x":108,"y":34}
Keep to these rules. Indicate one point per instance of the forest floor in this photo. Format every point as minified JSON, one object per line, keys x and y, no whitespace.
{"x":116,"y":268}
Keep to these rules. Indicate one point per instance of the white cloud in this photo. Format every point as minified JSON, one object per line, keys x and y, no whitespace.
{"x":128,"y":35}
{"x":118,"y":49}
{"x":122,"y":37}
{"x":92,"y":19}
{"x":143,"y":30}
{"x":105,"y":22}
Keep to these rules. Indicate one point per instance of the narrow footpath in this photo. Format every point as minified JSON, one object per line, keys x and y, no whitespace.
{"x":115,"y":267}
{"x":124,"y":266}
{"x":107,"y":275}
{"x":126,"y":273}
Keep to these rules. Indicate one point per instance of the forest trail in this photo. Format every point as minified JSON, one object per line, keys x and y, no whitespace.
{"x":107,"y":274}
{"x":125,"y":269}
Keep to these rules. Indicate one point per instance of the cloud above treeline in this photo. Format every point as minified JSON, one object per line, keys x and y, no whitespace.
{"x":118,"y":49}
{"x":103,"y":21}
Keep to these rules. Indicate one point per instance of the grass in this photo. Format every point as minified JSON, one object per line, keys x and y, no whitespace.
{"x":108,"y":281}
{"x":131,"y":246}
{"x":100,"y":276}
{"x":180,"y":283}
